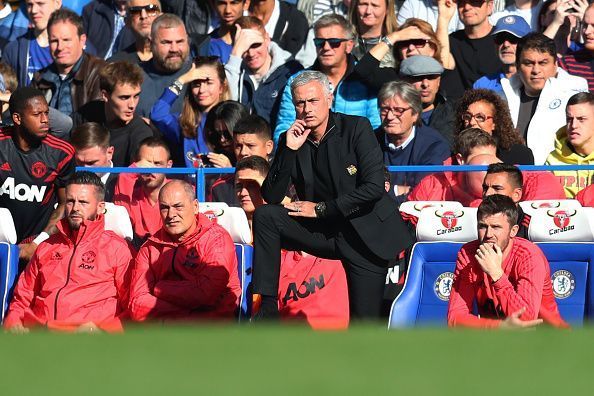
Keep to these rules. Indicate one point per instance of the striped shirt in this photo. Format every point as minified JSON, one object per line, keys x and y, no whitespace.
{"x":580,"y":63}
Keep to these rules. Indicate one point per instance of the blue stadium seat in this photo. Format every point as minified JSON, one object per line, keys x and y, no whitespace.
{"x":244,"y":268}
{"x":9,"y":268}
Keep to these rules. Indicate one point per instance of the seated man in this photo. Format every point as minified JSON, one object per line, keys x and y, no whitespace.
{"x":579,"y":63}
{"x":574,"y":144}
{"x":325,"y":304}
{"x":188,"y":269}
{"x":221,"y":39}
{"x":508,"y":278}
{"x":139,"y":193}
{"x":78,"y":278}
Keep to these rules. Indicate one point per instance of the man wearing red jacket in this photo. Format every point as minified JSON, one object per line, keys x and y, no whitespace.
{"x":188,"y":269}
{"x":78,"y":278}
{"x":508,"y":278}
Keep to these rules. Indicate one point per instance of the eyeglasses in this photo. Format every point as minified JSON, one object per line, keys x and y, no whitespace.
{"x":150,"y":9}
{"x":418,"y":43}
{"x":474,"y":3}
{"x":397,"y":111}
{"x":479,"y":117}
{"x":334,"y":42}
{"x":500,"y":38}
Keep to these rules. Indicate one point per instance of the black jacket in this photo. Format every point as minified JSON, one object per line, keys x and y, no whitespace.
{"x":196,"y":14}
{"x":357,"y":172}
{"x":291,"y":29}
{"x":98,"y":18}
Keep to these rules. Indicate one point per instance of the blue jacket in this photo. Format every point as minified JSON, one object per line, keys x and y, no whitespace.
{"x":12,"y":26}
{"x":350,"y":97}
{"x":492,"y":82}
{"x":168,"y":124}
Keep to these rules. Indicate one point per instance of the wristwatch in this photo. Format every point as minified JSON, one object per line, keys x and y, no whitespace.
{"x":386,"y":40}
{"x":176,"y":87}
{"x":320,"y":209}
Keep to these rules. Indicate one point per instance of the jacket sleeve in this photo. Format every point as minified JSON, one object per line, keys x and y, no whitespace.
{"x":542,"y":185}
{"x":373,"y":113}
{"x":286,"y":113}
{"x":233,"y":73}
{"x":210,"y":279}
{"x":277,"y":181}
{"x":167,"y":122}
{"x":24,"y":293}
{"x":125,"y":260}
{"x":143,"y":304}
{"x":296,"y":31}
{"x":369,"y":72}
{"x":124,"y":189}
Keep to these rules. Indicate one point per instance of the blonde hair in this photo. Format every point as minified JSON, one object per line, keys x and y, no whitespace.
{"x":389,"y":24}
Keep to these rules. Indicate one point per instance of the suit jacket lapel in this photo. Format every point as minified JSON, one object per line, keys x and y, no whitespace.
{"x":334,"y":154}
{"x":304,"y":159}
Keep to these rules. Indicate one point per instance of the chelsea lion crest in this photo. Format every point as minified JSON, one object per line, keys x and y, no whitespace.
{"x":443,"y":285}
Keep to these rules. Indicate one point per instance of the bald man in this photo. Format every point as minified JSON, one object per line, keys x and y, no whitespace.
{"x":188,"y":269}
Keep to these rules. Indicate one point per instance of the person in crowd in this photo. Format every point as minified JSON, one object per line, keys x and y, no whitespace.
{"x":335,"y":165}
{"x":30,"y":52}
{"x":171,"y":59}
{"x":469,"y":53}
{"x":283,"y":23}
{"x":328,"y":306}
{"x":579,"y":63}
{"x":251,"y":136}
{"x":140,"y":15}
{"x":34,"y":168}
{"x":538,"y":93}
{"x":258,"y":69}
{"x":373,"y":20}
{"x":425,"y":10}
{"x":221,"y":39}
{"x":185,"y":131}
{"x":8,"y":84}
{"x":558,"y":20}
{"x":574,"y":144}
{"x":403,"y":138}
{"x":92,"y":148}
{"x":139,"y":193}
{"x":105,"y":26}
{"x":78,"y":279}
{"x":120,"y":83}
{"x":199,"y":17}
{"x":13,"y":24}
{"x":424,"y":73}
{"x":484,"y":109}
{"x":334,"y":43}
{"x":72,"y":79}
{"x":314,"y":9}
{"x":528,"y":10}
{"x":188,"y":269}
{"x":508,"y":278}
{"x":507,"y":33}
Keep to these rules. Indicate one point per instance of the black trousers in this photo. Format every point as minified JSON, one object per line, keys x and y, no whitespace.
{"x":275,"y":229}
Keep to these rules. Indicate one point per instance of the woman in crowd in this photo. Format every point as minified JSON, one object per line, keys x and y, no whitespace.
{"x":207,"y":86}
{"x":560,"y":21}
{"x":484,"y":109}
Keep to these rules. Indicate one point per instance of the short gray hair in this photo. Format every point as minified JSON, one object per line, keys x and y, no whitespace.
{"x":335,"y":20}
{"x":309,"y":76}
{"x":405,"y":91}
{"x":165,"y":21}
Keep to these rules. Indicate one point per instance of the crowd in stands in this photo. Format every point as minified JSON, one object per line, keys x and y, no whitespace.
{"x":163,"y":83}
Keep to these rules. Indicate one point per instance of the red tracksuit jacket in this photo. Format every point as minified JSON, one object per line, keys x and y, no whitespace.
{"x":74,"y":277}
{"x":191,"y":279}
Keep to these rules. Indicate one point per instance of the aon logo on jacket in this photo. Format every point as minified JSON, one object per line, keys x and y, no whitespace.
{"x":22,"y":192}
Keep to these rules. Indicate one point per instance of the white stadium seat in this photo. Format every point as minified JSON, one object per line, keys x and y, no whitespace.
{"x":561,"y":225}
{"x":414,"y":208}
{"x":118,"y":221}
{"x":232,"y":219}
{"x":530,"y":207}
{"x":445,"y":224}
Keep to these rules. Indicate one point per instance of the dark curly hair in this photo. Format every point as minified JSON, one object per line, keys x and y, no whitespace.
{"x":504,"y":133}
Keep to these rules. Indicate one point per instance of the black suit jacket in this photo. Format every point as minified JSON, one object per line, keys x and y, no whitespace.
{"x":357,"y":172}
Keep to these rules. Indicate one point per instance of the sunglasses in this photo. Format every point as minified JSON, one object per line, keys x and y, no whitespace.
{"x":334,"y":42}
{"x":500,"y":38}
{"x":151,"y":10}
{"x":474,"y":3}
{"x":418,"y":43}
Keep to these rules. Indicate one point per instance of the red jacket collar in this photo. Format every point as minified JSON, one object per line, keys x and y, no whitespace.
{"x":161,"y":237}
{"x":88,"y":229}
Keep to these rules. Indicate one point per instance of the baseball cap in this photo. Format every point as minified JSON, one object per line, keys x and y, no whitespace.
{"x":420,"y":65}
{"x":512,"y":24}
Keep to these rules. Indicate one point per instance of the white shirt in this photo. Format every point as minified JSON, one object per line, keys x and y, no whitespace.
{"x":530,"y":15}
{"x":410,"y":138}
{"x":5,"y":11}
{"x":427,"y":11}
{"x":271,"y":25}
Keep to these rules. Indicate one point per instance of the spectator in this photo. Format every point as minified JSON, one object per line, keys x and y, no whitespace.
{"x":528,"y":10}
{"x":507,"y":33}
{"x":283,"y":23}
{"x":185,"y":131}
{"x":31,"y":52}
{"x":507,"y":278}
{"x":258,"y":69}
{"x":139,"y":193}
{"x":574,"y":144}
{"x":221,"y":39}
{"x":13,"y":24}
{"x":538,"y":92}
{"x":171,"y":51}
{"x":334,"y":42}
{"x":198,"y":16}
{"x":120,"y":84}
{"x":105,"y":26}
{"x":469,"y":53}
{"x":35,"y":168}
{"x":484,"y":109}
{"x":579,"y":63}
{"x":328,"y":306}
{"x":314,"y":9}
{"x":92,"y":149}
{"x":424,"y":73}
{"x":188,"y":269}
{"x":140,"y":15}
{"x":425,"y":10}
{"x":78,"y":279}
{"x":373,"y":20}
{"x":8,"y":84}
{"x":558,"y":21}
{"x":403,"y":139}
{"x":81,"y":70}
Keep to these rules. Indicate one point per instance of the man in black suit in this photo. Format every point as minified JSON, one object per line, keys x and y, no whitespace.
{"x":335,"y":164}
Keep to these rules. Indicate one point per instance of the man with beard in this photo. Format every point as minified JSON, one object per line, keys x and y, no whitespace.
{"x":171,"y":50}
{"x":34,"y":168}
{"x":508,"y":278}
{"x":77,"y":279}
{"x":139,"y":194}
